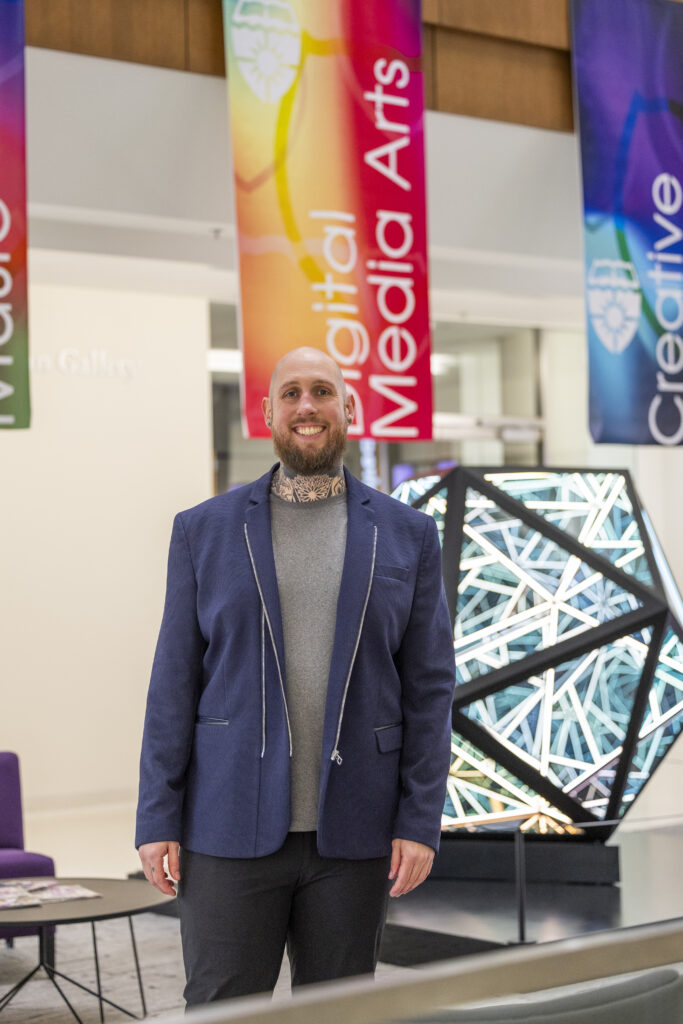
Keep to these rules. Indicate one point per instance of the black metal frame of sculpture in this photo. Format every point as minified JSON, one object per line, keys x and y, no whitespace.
{"x":568,"y":651}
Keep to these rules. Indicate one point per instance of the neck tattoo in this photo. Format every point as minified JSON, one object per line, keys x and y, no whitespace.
{"x":298,"y":487}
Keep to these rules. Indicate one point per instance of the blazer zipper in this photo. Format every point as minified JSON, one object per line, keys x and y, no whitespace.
{"x":272,"y":638}
{"x":263,"y":682}
{"x":336,"y":756}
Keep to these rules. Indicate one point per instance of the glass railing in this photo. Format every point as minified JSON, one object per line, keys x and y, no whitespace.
{"x":418,"y":994}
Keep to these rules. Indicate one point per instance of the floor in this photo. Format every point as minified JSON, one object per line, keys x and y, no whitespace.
{"x":489,"y":910}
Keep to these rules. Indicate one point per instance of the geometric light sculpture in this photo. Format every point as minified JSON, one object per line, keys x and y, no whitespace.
{"x":568,"y":646}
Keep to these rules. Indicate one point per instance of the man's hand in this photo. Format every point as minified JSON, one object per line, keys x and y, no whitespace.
{"x":152,"y":859}
{"x":410,"y":865}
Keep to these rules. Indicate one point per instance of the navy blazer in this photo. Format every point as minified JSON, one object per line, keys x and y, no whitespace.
{"x":217,"y":744}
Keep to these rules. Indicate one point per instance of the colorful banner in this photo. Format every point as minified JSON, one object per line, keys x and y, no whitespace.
{"x":326,"y":107}
{"x":628,"y":75}
{"x":14,"y":391}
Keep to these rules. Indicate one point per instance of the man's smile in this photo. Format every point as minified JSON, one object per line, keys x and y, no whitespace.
{"x":308,"y":431}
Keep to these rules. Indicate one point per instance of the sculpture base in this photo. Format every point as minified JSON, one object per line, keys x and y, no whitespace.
{"x":548,"y":859}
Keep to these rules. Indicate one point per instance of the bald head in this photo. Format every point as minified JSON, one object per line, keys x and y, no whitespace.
{"x":306,"y":361}
{"x":308,"y":411}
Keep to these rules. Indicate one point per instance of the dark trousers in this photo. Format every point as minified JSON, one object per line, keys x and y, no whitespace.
{"x":236,"y":916}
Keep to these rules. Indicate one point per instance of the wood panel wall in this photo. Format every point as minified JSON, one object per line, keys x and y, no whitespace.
{"x":505,"y":60}
{"x":186,"y":35}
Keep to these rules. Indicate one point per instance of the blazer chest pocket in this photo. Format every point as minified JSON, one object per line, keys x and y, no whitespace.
{"x":210,"y":720}
{"x":389,"y":737}
{"x":392,"y":572}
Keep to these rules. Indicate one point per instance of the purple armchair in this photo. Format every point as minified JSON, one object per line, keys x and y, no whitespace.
{"x":15,"y":861}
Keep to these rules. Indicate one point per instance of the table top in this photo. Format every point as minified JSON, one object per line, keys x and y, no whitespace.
{"x":119,"y":897}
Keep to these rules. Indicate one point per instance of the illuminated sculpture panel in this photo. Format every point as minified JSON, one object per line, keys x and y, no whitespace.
{"x":568,"y":645}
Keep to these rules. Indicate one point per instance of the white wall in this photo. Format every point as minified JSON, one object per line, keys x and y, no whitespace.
{"x":118,"y":443}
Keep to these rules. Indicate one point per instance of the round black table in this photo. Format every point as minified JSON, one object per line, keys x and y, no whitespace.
{"x":119,"y":897}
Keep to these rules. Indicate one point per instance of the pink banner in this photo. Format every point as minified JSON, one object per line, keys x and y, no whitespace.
{"x":326,"y":105}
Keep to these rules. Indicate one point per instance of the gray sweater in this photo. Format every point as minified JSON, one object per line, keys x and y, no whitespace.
{"x":309,"y":539}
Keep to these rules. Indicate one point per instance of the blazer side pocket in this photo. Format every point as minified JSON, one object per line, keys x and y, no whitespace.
{"x":392,"y":572}
{"x":389,"y":737}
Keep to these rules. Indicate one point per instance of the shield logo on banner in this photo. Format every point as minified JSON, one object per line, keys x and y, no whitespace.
{"x":266,"y":40}
{"x":614,"y":302}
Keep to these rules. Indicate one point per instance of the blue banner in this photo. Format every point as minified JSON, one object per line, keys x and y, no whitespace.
{"x":628,"y":74}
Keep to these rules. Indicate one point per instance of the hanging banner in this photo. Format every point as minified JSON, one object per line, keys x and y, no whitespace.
{"x":628,"y":75}
{"x":14,"y":391}
{"x":326,"y":109}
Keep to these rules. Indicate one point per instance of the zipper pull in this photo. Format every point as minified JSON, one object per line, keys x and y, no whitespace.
{"x":336,"y":756}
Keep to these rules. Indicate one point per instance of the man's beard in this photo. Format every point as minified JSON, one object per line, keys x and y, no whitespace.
{"x":316,"y":460}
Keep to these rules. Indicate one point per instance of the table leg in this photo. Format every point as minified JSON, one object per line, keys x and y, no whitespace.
{"x":97,"y":971}
{"x":47,"y":960}
{"x":51,"y":976}
{"x":46,"y":947}
{"x":97,"y":995}
{"x":137,"y":967}
{"x":9,"y":995}
{"x":6,"y":999}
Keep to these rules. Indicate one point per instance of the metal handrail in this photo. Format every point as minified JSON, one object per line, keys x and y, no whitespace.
{"x":467,"y":979}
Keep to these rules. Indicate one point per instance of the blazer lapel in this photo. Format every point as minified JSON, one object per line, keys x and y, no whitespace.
{"x":355,"y":582}
{"x":260,"y":545}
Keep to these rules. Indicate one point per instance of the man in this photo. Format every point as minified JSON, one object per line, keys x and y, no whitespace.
{"x":297,"y":735}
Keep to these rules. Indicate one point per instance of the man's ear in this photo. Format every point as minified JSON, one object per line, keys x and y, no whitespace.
{"x":267,"y":412}
{"x":350,"y":406}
